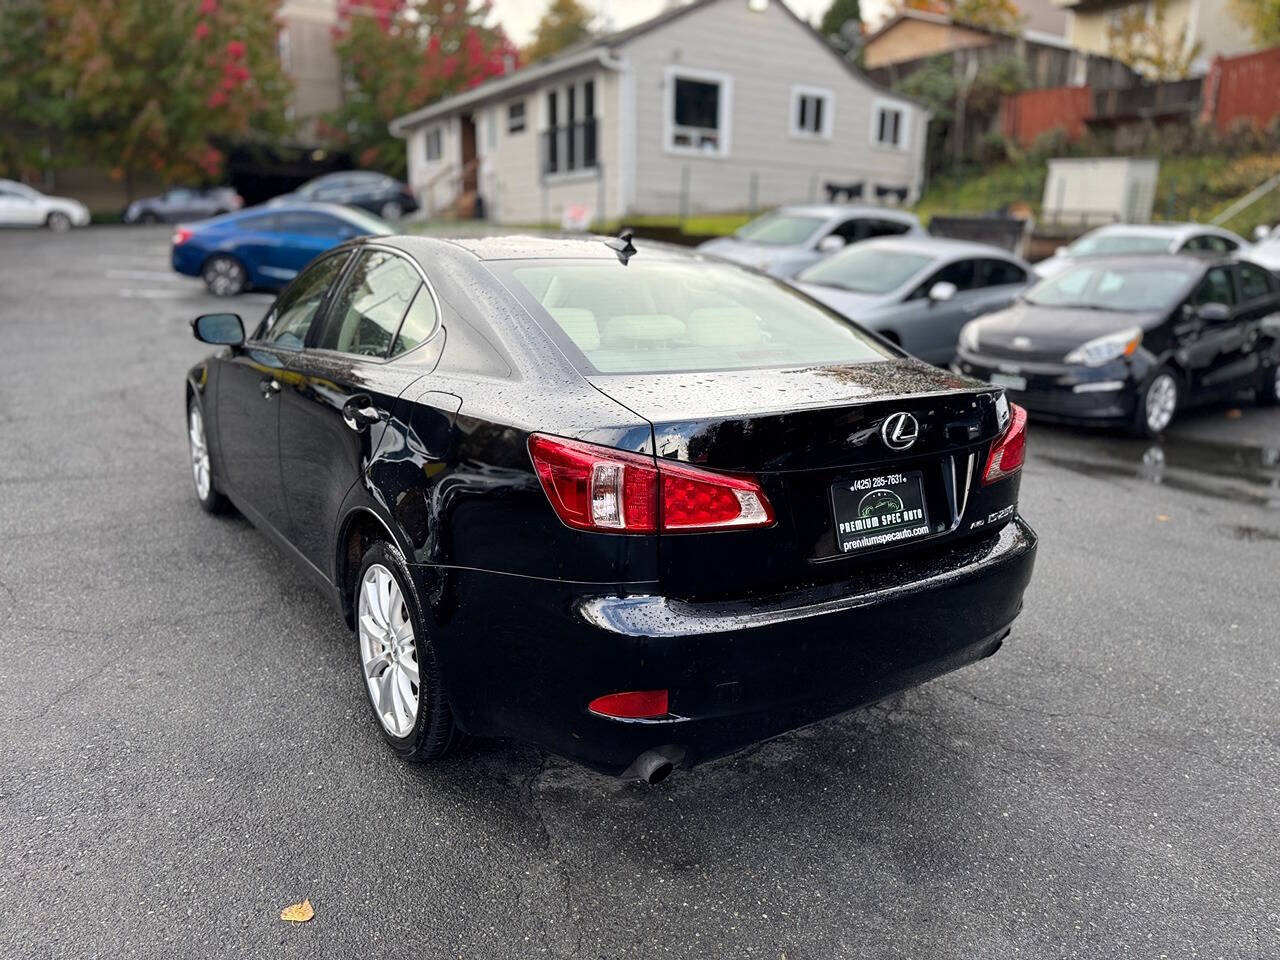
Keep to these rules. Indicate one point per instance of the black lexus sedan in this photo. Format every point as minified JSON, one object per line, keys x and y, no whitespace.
{"x":636,"y":507}
{"x":1131,"y":340}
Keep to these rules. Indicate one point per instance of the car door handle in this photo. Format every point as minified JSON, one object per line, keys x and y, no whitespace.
{"x":359,"y":413}
{"x":269,"y":387}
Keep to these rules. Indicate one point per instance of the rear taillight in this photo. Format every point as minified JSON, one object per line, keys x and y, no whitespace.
{"x":613,"y":491}
{"x":1010,"y":449}
{"x":181,"y":236}
{"x":632,"y":705}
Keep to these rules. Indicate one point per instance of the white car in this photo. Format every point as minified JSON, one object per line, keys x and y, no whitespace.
{"x":784,"y":242}
{"x":21,"y":206}
{"x":1121,"y":238}
{"x":1266,"y":251}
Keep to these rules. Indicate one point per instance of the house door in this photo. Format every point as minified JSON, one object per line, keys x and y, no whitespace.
{"x":469,"y":165}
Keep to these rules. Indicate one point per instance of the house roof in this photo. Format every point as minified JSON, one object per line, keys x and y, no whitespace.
{"x":599,"y":50}
{"x":926,"y":16}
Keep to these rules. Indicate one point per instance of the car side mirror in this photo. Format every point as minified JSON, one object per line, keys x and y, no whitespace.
{"x":831,"y":243}
{"x":1214,"y":312}
{"x":942,"y":291}
{"x":1261,"y":232}
{"x":1060,"y":252}
{"x":221,"y":329}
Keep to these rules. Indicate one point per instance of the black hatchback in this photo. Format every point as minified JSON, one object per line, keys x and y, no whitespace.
{"x":635,"y":507}
{"x":1131,"y":340}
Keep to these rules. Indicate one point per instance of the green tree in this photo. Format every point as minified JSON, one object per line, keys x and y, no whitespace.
{"x":1262,"y":17}
{"x":1148,"y":44}
{"x":1002,"y":15}
{"x":838,"y":14}
{"x":399,"y":55}
{"x":139,"y":85}
{"x":565,"y":23}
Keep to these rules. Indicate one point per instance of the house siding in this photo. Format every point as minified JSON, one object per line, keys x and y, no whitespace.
{"x":1208,"y":22}
{"x":766,"y":164}
{"x":511,"y":179}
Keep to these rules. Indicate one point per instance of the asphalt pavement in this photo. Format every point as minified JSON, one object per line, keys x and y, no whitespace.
{"x":185,"y":747}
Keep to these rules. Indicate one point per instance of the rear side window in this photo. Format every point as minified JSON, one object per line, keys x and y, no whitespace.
{"x":672,"y":316}
{"x":418,"y":324}
{"x":290,"y":319}
{"x":366,"y":313}
{"x":310,"y":224}
{"x":262,"y":223}
{"x":998,"y":273}
{"x":1254,"y":282}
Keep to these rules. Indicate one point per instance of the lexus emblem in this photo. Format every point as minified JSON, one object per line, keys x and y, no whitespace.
{"x":899,"y":431}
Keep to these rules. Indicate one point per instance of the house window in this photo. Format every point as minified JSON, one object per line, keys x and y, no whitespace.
{"x":434,"y":151}
{"x":515,"y":117}
{"x":697,"y":112}
{"x":811,"y":112}
{"x":569,"y":143}
{"x":889,"y":126}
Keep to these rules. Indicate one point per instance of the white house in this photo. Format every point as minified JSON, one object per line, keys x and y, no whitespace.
{"x":718,"y":105}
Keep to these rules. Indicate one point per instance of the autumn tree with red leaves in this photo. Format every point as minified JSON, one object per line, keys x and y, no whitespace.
{"x":140,"y":85}
{"x":399,"y":55}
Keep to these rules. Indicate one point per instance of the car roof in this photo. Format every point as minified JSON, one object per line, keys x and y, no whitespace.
{"x":939,"y":247}
{"x":1198,"y":258}
{"x":550,"y":247}
{"x":830,"y":211}
{"x":1170,"y":230}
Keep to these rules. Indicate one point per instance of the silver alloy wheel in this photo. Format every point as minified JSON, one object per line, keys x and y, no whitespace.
{"x":1162,"y":401}
{"x":59,"y":222}
{"x":224,"y":276}
{"x":199,"y":453}
{"x":392,"y":210}
{"x":388,"y":652}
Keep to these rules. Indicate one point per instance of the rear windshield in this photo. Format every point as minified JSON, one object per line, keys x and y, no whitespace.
{"x":1112,"y":287}
{"x":864,"y":269}
{"x":1119,"y":243}
{"x":671,"y":316}
{"x":780,"y":230}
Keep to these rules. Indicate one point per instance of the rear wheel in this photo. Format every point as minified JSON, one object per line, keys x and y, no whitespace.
{"x":58,"y":222}
{"x":148,"y":217}
{"x":1157,"y":403}
{"x":391,"y":210}
{"x":397,"y":660}
{"x":224,"y":275}
{"x":1269,"y":386}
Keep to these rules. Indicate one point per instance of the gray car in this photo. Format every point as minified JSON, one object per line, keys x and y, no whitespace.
{"x":917,"y":291}
{"x":784,"y":242}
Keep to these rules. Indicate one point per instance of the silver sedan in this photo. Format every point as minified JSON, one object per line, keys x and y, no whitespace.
{"x":917,"y":291}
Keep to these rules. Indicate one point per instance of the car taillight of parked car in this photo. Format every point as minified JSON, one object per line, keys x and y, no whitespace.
{"x":181,"y":236}
{"x":1010,"y":449}
{"x":613,"y":491}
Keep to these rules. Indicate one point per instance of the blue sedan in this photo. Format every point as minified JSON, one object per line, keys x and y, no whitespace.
{"x":266,"y":247}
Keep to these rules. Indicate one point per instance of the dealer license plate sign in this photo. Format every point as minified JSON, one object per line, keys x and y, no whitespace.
{"x":879,"y":511}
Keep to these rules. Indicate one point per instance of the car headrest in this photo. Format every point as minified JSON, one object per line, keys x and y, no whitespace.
{"x":579,"y":324}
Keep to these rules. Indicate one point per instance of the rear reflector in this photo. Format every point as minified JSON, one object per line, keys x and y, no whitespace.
{"x":181,"y":236}
{"x":1010,"y":449}
{"x":614,"y":491}
{"x":634,"y":705}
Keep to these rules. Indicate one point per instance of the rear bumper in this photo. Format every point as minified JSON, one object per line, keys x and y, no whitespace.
{"x":523,"y":658}
{"x":1066,"y":393}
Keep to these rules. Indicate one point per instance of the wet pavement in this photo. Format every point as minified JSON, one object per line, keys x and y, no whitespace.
{"x":185,"y":750}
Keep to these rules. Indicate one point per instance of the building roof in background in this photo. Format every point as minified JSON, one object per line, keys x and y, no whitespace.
{"x":599,"y":50}
{"x":1034,"y":28}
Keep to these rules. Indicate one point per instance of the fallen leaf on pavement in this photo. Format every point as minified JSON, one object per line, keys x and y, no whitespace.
{"x":298,"y":912}
{"x":1162,"y":517}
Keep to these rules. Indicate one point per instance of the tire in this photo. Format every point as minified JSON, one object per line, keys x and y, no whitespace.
{"x":224,"y":275}
{"x":206,"y":487}
{"x":58,"y":222}
{"x":1157,"y":405}
{"x":1269,"y":386}
{"x":419,"y":728}
{"x":148,"y":218}
{"x":391,"y":211}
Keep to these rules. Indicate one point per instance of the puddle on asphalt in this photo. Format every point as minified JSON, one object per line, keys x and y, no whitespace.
{"x":1237,"y":473}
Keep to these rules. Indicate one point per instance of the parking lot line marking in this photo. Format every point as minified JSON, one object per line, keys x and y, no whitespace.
{"x":146,"y":275}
